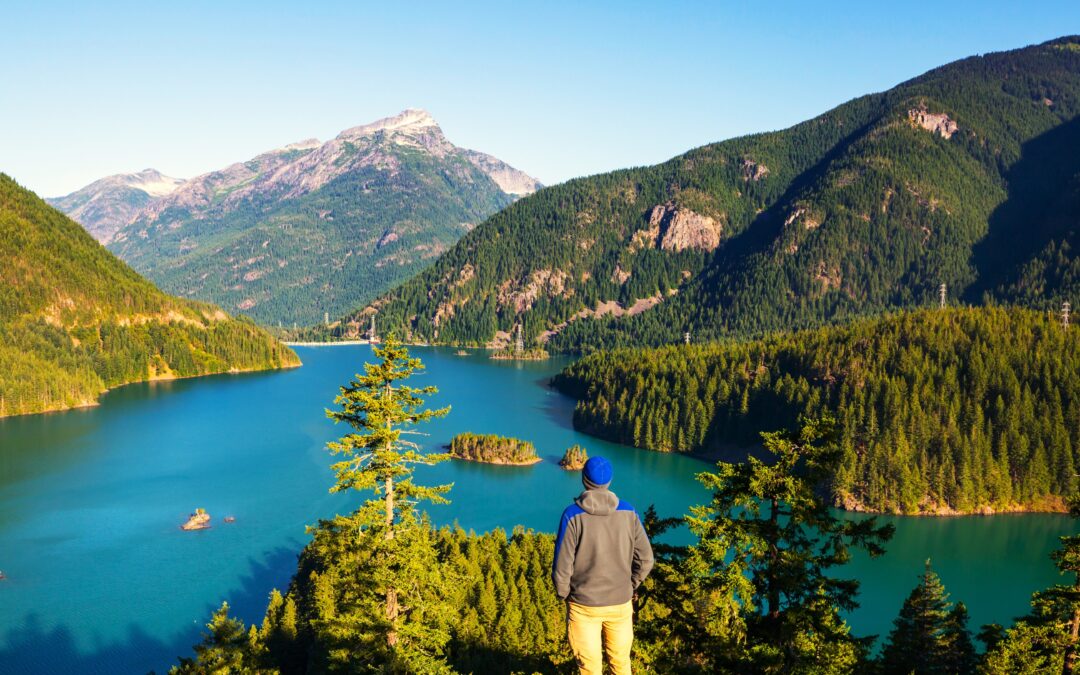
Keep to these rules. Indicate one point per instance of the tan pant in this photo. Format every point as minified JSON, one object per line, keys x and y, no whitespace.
{"x":595,"y":631}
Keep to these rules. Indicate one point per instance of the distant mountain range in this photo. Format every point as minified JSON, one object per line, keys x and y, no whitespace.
{"x":107,"y":205}
{"x":966,"y":176}
{"x":75,"y":321}
{"x":307,"y":229}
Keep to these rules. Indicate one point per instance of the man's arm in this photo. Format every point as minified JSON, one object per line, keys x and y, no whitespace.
{"x":643,"y":555}
{"x":566,"y":543}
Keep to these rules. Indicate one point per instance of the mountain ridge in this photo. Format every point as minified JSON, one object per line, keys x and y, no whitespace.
{"x":315,"y":228}
{"x":866,"y":208}
{"x":109,"y":203}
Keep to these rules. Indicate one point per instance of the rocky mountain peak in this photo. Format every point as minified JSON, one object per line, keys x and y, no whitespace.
{"x":150,"y":181}
{"x":410,"y":121}
{"x":108,"y":204}
{"x":306,"y":144}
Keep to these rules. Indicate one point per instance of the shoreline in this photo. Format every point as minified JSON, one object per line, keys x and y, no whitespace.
{"x":481,"y":461}
{"x":338,"y":343}
{"x":734,"y":454}
{"x":151,"y":380}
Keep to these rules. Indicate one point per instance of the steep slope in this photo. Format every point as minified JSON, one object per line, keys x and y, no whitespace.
{"x":105,"y":206}
{"x":942,"y":411}
{"x":316,"y":228}
{"x":871,"y":206}
{"x":75,"y":321}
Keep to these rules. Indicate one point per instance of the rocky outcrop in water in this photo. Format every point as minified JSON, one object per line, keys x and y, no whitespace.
{"x":200,"y":520}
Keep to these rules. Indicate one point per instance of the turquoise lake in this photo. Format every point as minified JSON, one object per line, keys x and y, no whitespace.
{"x":102,"y":580}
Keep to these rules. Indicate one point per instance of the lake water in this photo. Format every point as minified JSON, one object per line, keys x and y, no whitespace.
{"x":102,"y":580}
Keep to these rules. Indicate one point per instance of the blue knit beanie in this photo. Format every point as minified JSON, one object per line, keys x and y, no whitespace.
{"x":597,"y":473}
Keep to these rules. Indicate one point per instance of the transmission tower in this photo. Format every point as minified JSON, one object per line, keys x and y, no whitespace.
{"x":519,"y":341}
{"x":942,"y":291}
{"x":1066,"y":307}
{"x":686,"y":337}
{"x":326,"y":318}
{"x":372,"y":336}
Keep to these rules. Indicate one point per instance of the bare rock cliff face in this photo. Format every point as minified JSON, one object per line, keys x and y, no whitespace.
{"x":510,"y":180}
{"x":935,"y":123}
{"x":752,"y":171}
{"x":678,"y":229}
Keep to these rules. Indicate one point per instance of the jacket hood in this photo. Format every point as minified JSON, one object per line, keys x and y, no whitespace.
{"x":598,"y":502}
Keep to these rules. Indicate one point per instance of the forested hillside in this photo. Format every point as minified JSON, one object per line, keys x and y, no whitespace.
{"x":75,"y":321}
{"x":964,"y":176}
{"x":942,"y":411}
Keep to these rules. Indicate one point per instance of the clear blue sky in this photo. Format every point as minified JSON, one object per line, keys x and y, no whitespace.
{"x":557,"y":89}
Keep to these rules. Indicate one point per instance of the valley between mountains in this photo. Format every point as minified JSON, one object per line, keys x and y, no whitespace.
{"x":958,"y":187}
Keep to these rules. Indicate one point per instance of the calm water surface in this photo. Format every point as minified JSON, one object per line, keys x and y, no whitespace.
{"x":102,"y":580}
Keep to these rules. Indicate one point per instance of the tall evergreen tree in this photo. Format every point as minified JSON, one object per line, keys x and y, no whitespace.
{"x":767,"y":542}
{"x":226,"y":648}
{"x":393,"y":556}
{"x":930,"y":636}
{"x":960,"y":649}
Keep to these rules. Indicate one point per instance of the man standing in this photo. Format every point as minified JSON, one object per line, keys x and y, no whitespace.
{"x":602,"y":554}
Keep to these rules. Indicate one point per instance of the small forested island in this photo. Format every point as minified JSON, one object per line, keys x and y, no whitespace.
{"x":493,"y":449}
{"x":535,"y":354}
{"x":574,"y":458}
{"x":200,"y":520}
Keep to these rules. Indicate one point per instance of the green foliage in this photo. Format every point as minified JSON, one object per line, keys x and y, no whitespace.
{"x":766,"y":544}
{"x":930,"y":636}
{"x":291,"y":260}
{"x":226,"y":649}
{"x":861,"y":210}
{"x":381,"y":590}
{"x":1048,"y":639}
{"x":396,"y":607}
{"x":75,"y":321}
{"x":940,"y":410}
{"x":493,"y":449}
{"x":574,"y":458}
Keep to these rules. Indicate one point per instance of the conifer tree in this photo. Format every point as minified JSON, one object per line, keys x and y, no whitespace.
{"x":960,"y":650}
{"x":930,"y":636}
{"x":226,"y":648}
{"x":767,"y":541}
{"x":386,"y":585}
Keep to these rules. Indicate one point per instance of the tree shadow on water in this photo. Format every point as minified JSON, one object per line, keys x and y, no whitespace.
{"x":37,"y":648}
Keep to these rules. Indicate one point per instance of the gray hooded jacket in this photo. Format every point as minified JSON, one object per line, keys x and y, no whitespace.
{"x":602,"y":553}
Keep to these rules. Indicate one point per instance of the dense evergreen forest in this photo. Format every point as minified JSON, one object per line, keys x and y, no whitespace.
{"x":945,"y":410}
{"x":964,"y":176}
{"x":380,"y":590}
{"x":75,"y":321}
